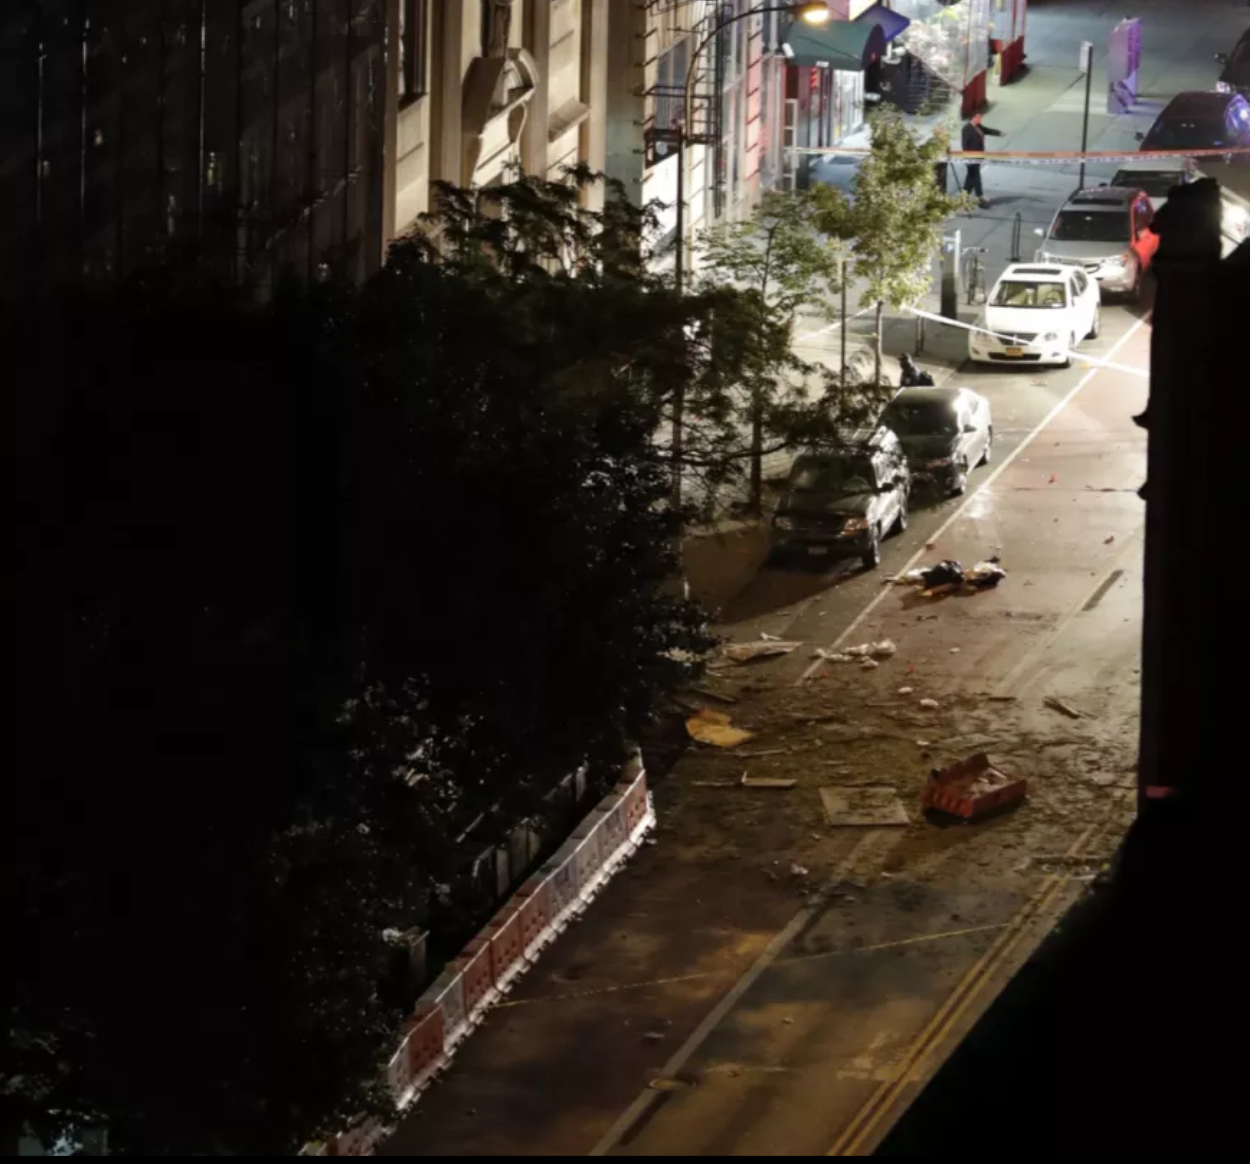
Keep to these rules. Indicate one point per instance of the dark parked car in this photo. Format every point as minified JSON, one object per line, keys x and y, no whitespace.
{"x":841,"y":501}
{"x":1236,"y":74}
{"x":1202,"y":121}
{"x":945,"y":432}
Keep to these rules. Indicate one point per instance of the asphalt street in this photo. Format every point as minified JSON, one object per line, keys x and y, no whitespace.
{"x":705,"y":1006}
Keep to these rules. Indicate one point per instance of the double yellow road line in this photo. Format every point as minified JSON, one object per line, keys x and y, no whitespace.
{"x":859,"y":1134}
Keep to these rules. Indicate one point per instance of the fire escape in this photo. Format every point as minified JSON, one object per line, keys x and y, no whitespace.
{"x":666,"y":99}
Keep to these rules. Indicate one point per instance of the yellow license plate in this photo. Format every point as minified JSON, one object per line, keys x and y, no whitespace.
{"x":1015,"y":353}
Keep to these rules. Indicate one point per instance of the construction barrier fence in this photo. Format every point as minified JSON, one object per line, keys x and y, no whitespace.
{"x":538,"y":912}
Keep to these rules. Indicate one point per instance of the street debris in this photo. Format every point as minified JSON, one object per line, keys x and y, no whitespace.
{"x":766,"y":752}
{"x":972,"y":788}
{"x":949,"y":577}
{"x":766,"y":637}
{"x":708,"y":693}
{"x":750,"y":652}
{"x":797,"y":870}
{"x":1056,"y":704}
{"x":866,"y":805}
{"x":929,"y":704}
{"x":906,"y":690}
{"x":1107,"y":541}
{"x":868,"y":664}
{"x":766,"y":783}
{"x":954,"y":650}
{"x":716,"y":729}
{"x":714,"y":783}
{"x":866,"y":654}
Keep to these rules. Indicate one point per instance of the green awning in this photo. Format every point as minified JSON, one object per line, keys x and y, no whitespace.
{"x":841,"y":44}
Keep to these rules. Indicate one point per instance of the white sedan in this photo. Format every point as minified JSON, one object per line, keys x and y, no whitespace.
{"x":1036,"y":314}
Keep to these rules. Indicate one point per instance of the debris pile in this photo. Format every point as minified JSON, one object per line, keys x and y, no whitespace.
{"x":750,"y":652}
{"x":950,"y":577}
{"x":972,"y":788}
{"x":716,"y":729}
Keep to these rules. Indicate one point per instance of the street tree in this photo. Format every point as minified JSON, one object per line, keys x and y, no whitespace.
{"x":892,"y":222}
{"x":777,"y":256}
{"x":704,"y":368}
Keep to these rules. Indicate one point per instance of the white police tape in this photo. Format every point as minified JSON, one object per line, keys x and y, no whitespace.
{"x":1072,"y":352}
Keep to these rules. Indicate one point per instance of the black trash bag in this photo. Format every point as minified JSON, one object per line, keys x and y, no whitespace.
{"x":947,"y":573}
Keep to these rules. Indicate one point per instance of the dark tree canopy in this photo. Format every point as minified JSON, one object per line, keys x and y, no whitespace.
{"x":303,"y":591}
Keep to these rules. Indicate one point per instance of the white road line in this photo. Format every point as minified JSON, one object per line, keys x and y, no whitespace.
{"x":638,"y":1108}
{"x":858,"y":621}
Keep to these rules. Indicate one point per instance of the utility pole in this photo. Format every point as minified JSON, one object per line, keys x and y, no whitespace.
{"x":843,"y":378}
{"x":1087,"y":63}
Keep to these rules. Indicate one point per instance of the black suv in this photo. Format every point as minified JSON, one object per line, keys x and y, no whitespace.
{"x":842,"y":500}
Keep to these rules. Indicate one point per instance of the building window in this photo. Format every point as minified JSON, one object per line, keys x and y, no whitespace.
{"x":413,"y":26}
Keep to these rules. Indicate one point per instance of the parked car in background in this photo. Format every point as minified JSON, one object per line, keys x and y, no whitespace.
{"x":1202,"y":121}
{"x":1235,"y":77}
{"x":1036,"y":314}
{"x":1105,"y":231}
{"x":1158,"y":177}
{"x":945,"y":432}
{"x":841,"y":501}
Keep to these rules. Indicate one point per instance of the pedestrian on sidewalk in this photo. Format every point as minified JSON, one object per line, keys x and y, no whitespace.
{"x":911,"y":376}
{"x":974,"y":135}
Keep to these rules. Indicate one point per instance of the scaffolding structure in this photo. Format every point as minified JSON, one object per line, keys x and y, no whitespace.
{"x":246,"y":134}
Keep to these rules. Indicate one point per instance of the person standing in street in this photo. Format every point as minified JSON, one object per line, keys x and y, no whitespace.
{"x":973,"y":141}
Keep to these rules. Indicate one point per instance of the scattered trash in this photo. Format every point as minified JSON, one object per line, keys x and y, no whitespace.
{"x":713,"y":783}
{"x":716,"y":729}
{"x":924,"y":743}
{"x":949,"y":576}
{"x":707,"y":693}
{"x":865,"y":653}
{"x":954,"y":650}
{"x":863,"y":806}
{"x":930,"y":545}
{"x":670,"y":1083}
{"x":1002,"y":698}
{"x":750,"y":652}
{"x":1052,"y":480}
{"x":882,"y":650}
{"x":788,"y":1021}
{"x":971,"y":788}
{"x":831,"y":656}
{"x":929,"y":704}
{"x":1056,"y":704}
{"x":766,"y":637}
{"x":797,"y":870}
{"x":653,"y":1036}
{"x":1107,"y":541}
{"x":1104,"y":779}
{"x":906,"y":690}
{"x":767,"y":752}
{"x":868,"y":664}
{"x":761,"y":782}
{"x":985,"y":575}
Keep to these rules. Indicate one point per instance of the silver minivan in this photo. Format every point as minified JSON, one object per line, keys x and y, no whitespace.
{"x":1105,"y":231}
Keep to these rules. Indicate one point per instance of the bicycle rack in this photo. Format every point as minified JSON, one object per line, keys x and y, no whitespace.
{"x":1017,"y":229}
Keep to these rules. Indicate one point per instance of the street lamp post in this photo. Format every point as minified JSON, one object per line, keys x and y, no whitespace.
{"x":814,"y":12}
